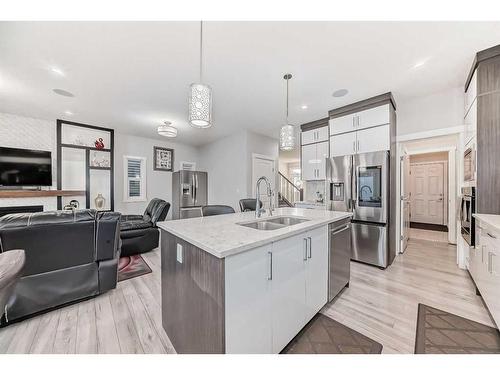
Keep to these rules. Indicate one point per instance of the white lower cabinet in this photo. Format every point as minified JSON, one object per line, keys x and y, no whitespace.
{"x":271,"y":292}
{"x":484,"y":267}
{"x":316,"y":272}
{"x":248,"y":301}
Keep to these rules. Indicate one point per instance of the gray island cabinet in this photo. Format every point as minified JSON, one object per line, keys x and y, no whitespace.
{"x":227,"y":288}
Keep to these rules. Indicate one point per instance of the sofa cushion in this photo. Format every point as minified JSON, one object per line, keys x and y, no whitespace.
{"x":133,"y":225}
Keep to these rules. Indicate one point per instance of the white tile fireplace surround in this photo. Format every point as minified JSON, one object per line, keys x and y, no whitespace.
{"x":35,"y":134}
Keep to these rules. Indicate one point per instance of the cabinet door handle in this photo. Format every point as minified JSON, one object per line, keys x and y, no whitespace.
{"x":482,"y":254}
{"x":305,"y":249}
{"x":489,"y":234}
{"x":357,"y":148}
{"x":309,"y":254}
{"x":354,"y":146}
{"x":270,"y":270}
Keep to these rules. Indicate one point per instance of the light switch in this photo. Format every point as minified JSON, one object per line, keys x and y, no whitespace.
{"x":179,"y":253}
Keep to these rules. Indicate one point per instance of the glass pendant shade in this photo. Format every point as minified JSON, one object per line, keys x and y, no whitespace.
{"x":200,"y":105}
{"x":167,"y":130}
{"x":287,"y":138}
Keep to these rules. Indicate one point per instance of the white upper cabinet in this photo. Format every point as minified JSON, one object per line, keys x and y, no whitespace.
{"x":343,"y":144}
{"x":343,"y":124}
{"x":313,"y":160}
{"x":364,"y":131}
{"x":315,"y":135}
{"x":470,"y":94}
{"x":322,"y":153}
{"x":373,"y":117}
{"x":470,"y":123}
{"x":373,"y":139}
{"x":309,"y":162}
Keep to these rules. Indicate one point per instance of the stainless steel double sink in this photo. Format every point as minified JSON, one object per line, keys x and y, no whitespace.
{"x":274,"y":223}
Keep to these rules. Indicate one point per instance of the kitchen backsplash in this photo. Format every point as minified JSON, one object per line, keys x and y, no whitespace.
{"x":312,"y":189}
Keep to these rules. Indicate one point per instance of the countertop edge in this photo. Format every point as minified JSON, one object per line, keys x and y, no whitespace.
{"x":243,"y":248}
{"x":490,"y":219}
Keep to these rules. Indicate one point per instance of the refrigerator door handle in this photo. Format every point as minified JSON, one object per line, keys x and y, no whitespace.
{"x":192,"y":189}
{"x":196,"y":188}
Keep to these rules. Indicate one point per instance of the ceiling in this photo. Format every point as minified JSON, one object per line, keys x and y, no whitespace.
{"x":133,"y":75}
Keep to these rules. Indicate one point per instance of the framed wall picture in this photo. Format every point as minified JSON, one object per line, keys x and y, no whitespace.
{"x":163,"y":159}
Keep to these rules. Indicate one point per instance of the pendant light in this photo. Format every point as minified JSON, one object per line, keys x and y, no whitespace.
{"x":167,"y":130}
{"x":200,"y":97}
{"x":287,"y":132}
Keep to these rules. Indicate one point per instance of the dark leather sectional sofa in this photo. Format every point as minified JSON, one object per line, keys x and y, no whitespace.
{"x":70,"y":256}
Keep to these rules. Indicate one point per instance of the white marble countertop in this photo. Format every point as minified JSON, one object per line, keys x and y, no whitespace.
{"x":311,"y":203}
{"x":221,"y":236}
{"x":493,"y":220}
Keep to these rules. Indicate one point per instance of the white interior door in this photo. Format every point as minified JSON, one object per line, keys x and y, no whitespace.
{"x":263,"y":166}
{"x":405,"y":201}
{"x":427,"y":193}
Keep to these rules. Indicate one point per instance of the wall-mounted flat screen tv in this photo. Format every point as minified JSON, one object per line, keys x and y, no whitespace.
{"x":20,"y":167}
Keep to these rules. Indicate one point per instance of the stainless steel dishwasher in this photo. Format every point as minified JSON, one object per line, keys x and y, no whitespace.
{"x":339,"y":257}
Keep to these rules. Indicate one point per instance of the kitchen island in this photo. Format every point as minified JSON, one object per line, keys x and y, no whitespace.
{"x":236,"y":284}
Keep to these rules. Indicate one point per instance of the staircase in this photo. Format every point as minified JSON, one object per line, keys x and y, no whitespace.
{"x":288,"y":193}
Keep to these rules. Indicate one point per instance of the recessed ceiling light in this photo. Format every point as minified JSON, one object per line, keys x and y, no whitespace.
{"x":167,"y":130}
{"x":304,"y":106}
{"x":63,"y":93}
{"x":57,"y":71}
{"x":420,"y":63}
{"x":340,"y":93}
{"x":69,"y":113}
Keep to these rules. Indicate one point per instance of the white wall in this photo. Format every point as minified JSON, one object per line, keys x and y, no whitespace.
{"x":436,"y":111}
{"x":158,"y":183}
{"x":228,"y":162}
{"x":30,"y":133}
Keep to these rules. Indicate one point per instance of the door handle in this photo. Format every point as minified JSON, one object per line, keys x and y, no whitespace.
{"x":305,"y":249}
{"x":309,"y":255}
{"x":270,"y":270}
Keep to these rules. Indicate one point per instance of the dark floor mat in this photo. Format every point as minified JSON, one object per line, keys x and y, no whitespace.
{"x":439,"y":332}
{"x":435,"y":227}
{"x":323,"y":335}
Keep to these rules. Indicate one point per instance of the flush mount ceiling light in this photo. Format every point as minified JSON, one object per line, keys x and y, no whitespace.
{"x":167,"y":130}
{"x":200,"y":97}
{"x":63,"y":93}
{"x":304,"y":106}
{"x":69,"y":113}
{"x":287,"y":132}
{"x":340,"y":93}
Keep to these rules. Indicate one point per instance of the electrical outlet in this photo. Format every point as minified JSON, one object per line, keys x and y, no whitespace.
{"x":179,"y":253}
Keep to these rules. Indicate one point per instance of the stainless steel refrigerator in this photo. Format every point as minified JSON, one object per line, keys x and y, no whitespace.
{"x":361,"y":184}
{"x":189,"y":193}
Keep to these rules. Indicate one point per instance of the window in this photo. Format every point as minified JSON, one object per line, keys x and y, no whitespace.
{"x":134,"y":179}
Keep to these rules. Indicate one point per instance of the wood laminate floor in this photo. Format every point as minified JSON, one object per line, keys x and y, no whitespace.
{"x":379,"y":304}
{"x":383,"y":304}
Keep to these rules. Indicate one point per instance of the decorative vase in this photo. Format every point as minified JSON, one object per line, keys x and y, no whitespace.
{"x":75,"y":204}
{"x":99,"y":201}
{"x":99,"y":144}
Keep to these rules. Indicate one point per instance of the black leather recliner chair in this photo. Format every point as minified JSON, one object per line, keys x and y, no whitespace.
{"x":70,"y":255}
{"x":139,"y":233}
